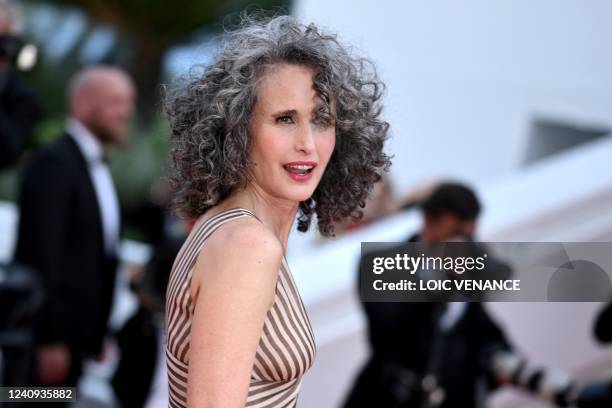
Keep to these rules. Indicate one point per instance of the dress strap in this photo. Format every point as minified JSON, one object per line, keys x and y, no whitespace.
{"x":249,"y":212}
{"x":228,"y":214}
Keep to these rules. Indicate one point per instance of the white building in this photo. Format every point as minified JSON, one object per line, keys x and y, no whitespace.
{"x":512,"y":96}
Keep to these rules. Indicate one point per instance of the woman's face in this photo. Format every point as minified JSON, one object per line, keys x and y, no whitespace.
{"x":292,"y":141}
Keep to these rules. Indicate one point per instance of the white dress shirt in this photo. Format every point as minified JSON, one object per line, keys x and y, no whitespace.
{"x":454,"y":311}
{"x":92,"y":150}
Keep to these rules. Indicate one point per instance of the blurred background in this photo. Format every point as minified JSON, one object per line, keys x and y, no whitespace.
{"x":512,"y":97}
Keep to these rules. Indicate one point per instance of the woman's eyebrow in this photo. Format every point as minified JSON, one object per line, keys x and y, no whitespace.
{"x":288,"y":112}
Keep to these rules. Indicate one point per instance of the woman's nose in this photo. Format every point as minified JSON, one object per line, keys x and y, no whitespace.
{"x":305,"y":140}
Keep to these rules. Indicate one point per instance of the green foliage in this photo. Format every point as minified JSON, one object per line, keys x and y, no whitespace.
{"x":143,"y":163}
{"x":139,"y":169}
{"x":170,"y":21}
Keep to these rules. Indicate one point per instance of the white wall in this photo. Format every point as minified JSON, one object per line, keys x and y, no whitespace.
{"x":464,"y":81}
{"x":465,"y":78}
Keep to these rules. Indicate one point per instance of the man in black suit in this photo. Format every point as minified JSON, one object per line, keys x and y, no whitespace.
{"x":442,"y":355}
{"x":69,"y":225}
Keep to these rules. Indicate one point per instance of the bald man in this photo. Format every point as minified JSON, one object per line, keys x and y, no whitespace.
{"x":69,"y":225}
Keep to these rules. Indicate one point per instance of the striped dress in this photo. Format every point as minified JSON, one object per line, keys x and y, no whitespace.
{"x":285,"y":351}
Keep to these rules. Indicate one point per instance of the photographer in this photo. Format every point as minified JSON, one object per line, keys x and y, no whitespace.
{"x":20,"y":108}
{"x":443,"y":354}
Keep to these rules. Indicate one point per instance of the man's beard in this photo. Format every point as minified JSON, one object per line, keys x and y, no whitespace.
{"x":104,"y":133}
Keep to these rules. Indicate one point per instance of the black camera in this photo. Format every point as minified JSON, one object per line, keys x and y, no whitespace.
{"x":18,"y":52}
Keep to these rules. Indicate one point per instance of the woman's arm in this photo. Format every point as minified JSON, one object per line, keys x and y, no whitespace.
{"x":233,"y":284}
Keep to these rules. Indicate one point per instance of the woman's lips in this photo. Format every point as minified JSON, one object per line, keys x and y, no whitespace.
{"x":299,"y":171}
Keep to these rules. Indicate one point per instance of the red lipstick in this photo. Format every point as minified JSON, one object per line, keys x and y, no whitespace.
{"x":300,"y":171}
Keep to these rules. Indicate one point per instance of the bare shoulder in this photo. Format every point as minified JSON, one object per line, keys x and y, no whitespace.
{"x":245,"y":237}
{"x":241,"y":250}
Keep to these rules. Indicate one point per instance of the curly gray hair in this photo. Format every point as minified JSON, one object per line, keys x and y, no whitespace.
{"x":209,"y":118}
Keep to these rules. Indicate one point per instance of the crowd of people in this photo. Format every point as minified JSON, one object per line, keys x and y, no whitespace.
{"x":284,"y":125}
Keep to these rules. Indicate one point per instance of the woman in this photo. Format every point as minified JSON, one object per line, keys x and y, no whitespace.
{"x":284,"y":121}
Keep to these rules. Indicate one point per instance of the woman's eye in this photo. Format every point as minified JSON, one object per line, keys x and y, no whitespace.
{"x":284,"y":119}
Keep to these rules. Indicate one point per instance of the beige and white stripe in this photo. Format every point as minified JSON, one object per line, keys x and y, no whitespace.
{"x":285,"y":351}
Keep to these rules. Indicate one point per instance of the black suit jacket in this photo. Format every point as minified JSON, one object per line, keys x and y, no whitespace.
{"x":20,"y":111}
{"x":61,"y":237}
{"x":402,"y":337}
